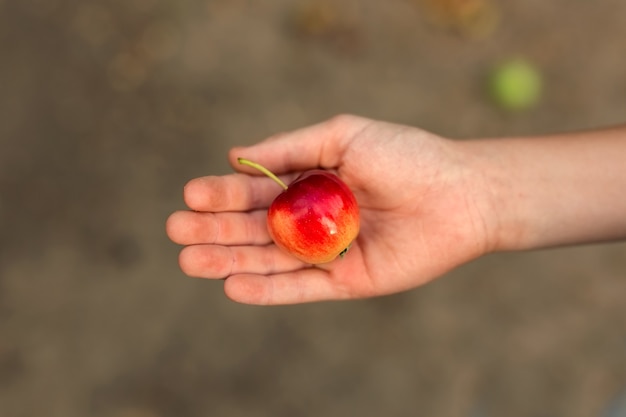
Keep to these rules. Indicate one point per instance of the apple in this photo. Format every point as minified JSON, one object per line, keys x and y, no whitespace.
{"x":315,"y":218}
{"x":516,"y":84}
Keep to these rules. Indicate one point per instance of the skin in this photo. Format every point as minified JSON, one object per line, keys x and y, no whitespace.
{"x":428,"y":204}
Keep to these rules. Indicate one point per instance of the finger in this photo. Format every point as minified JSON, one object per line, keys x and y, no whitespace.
{"x":300,"y":286}
{"x":234,"y":192}
{"x":215,"y":261}
{"x":229,"y":228}
{"x":318,"y":146}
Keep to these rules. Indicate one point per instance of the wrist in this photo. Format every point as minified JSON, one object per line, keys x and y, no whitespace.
{"x":501,"y":204}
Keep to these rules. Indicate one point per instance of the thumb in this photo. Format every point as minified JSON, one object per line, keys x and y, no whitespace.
{"x":318,"y":146}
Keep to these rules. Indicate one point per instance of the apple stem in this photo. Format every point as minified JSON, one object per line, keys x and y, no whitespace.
{"x":264,"y":170}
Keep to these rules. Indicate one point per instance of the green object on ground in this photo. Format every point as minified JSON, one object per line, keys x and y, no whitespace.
{"x":516,"y":84}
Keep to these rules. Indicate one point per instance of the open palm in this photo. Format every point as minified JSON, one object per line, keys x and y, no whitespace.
{"x":422,"y":209}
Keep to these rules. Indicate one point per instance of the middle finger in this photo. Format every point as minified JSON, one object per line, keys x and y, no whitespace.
{"x":230,"y":228}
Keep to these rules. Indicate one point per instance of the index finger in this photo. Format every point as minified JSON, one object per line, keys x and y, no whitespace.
{"x":234,"y":192}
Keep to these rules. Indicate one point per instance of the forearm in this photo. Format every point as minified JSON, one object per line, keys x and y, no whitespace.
{"x":555,"y":190}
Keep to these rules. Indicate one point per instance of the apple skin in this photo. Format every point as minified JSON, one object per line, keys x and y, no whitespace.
{"x":316,"y":218}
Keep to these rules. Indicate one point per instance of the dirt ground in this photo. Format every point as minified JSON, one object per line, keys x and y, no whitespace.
{"x":106,"y":110}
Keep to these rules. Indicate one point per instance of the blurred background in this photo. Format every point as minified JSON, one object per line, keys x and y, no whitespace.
{"x":107,"y":108}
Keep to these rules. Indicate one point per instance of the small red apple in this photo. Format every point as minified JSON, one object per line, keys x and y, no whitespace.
{"x":315,"y":218}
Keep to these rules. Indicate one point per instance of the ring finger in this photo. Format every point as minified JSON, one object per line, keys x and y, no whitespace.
{"x":215,"y":261}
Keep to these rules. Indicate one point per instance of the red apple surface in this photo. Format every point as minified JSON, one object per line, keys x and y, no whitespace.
{"x":316,"y":218}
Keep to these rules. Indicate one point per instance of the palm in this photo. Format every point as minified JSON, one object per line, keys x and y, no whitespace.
{"x":395,"y":252}
{"x":414,"y":227}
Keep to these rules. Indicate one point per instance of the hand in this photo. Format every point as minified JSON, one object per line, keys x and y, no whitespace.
{"x":422,"y":207}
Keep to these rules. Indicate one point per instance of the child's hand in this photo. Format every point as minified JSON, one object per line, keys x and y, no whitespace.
{"x":422,"y":210}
